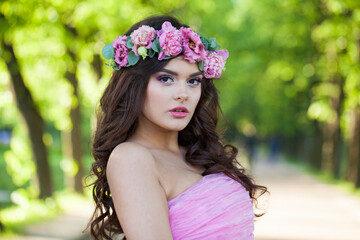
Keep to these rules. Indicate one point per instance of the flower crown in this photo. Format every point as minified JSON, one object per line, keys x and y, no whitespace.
{"x":125,"y":51}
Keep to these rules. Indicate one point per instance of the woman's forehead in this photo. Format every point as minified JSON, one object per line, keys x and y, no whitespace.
{"x":181,"y":66}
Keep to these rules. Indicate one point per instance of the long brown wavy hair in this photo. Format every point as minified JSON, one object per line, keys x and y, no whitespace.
{"x":120,"y":106}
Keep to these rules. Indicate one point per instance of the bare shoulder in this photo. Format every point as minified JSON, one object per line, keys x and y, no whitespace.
{"x":130,"y":157}
{"x":129,"y":149}
{"x":139,"y":199}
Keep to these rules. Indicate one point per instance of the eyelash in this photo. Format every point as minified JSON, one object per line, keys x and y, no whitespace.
{"x":161,"y":78}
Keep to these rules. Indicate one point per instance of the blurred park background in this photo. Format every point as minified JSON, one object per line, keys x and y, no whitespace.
{"x":291,"y":88}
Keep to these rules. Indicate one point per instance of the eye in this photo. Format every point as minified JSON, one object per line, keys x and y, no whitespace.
{"x":165,"y":79}
{"x":195,"y":81}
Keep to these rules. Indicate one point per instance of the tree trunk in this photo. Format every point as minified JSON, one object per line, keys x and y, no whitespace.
{"x":332,"y":134}
{"x":330,"y":148}
{"x":76,"y":135}
{"x":97,"y":66}
{"x":314,"y":145}
{"x":356,"y":130}
{"x":33,"y":121}
{"x":337,"y":105}
{"x":315,"y":152}
{"x":75,"y":115}
{"x":354,"y":148}
{"x":77,"y":144}
{"x":66,"y":148}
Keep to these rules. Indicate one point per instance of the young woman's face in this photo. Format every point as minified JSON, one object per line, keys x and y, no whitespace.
{"x":172,"y":95}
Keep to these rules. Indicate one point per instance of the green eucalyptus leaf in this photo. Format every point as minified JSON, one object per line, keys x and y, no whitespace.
{"x":213,"y":43}
{"x":201,"y":65}
{"x":132,"y":58}
{"x":108,"y":51}
{"x":129,"y":42}
{"x":151,"y":53}
{"x":205,"y":41}
{"x":156,"y":45}
{"x":206,"y":46}
{"x":112,"y":64}
{"x":168,"y":57}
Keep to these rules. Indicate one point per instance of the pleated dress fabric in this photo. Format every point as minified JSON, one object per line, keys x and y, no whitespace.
{"x":215,"y":207}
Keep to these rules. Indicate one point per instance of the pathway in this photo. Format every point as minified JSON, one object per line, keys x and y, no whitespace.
{"x":301,"y":207}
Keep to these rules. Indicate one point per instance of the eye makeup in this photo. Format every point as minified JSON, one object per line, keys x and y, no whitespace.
{"x":198,"y":79}
{"x":168,"y":79}
{"x":164,"y":78}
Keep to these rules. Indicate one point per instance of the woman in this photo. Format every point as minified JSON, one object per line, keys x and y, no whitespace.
{"x":161,"y":169}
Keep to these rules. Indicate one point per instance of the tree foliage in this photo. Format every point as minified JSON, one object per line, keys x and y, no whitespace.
{"x":293,"y":69}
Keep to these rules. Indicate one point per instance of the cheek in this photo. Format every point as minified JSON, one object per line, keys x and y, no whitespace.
{"x":154,"y":97}
{"x":197,"y":96}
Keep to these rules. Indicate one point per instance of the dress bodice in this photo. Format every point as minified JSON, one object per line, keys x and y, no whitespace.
{"x":215,"y":207}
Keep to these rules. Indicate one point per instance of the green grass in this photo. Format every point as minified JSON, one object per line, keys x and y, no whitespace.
{"x":16,"y":216}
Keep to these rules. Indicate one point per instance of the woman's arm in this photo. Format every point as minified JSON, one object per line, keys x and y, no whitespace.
{"x":139,"y":199}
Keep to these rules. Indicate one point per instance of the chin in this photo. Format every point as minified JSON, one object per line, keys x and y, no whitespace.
{"x":177,"y":127}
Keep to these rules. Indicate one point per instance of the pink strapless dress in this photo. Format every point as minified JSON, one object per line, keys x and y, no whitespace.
{"x":215,"y":207}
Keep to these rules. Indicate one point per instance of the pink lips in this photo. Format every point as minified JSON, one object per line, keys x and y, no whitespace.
{"x":179,"y":112}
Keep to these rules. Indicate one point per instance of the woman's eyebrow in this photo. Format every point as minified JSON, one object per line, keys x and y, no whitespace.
{"x":195,"y":74}
{"x":175,"y":73}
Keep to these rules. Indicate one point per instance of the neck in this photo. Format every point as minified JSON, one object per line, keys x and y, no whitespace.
{"x":152,"y":136}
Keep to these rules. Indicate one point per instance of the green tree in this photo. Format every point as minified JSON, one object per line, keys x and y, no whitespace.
{"x":28,"y":109}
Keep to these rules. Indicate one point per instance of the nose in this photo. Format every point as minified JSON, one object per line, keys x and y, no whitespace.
{"x":181,"y":93}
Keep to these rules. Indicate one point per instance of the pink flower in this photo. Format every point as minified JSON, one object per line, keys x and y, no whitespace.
{"x":142,"y":37}
{"x":214,"y":63}
{"x":194,"y":49}
{"x":170,"y":40}
{"x":121,"y":51}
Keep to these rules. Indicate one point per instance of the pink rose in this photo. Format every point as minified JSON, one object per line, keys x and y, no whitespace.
{"x":170,"y":40}
{"x":194,"y":50}
{"x":121,"y":51}
{"x":214,"y":63}
{"x":142,"y":37}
